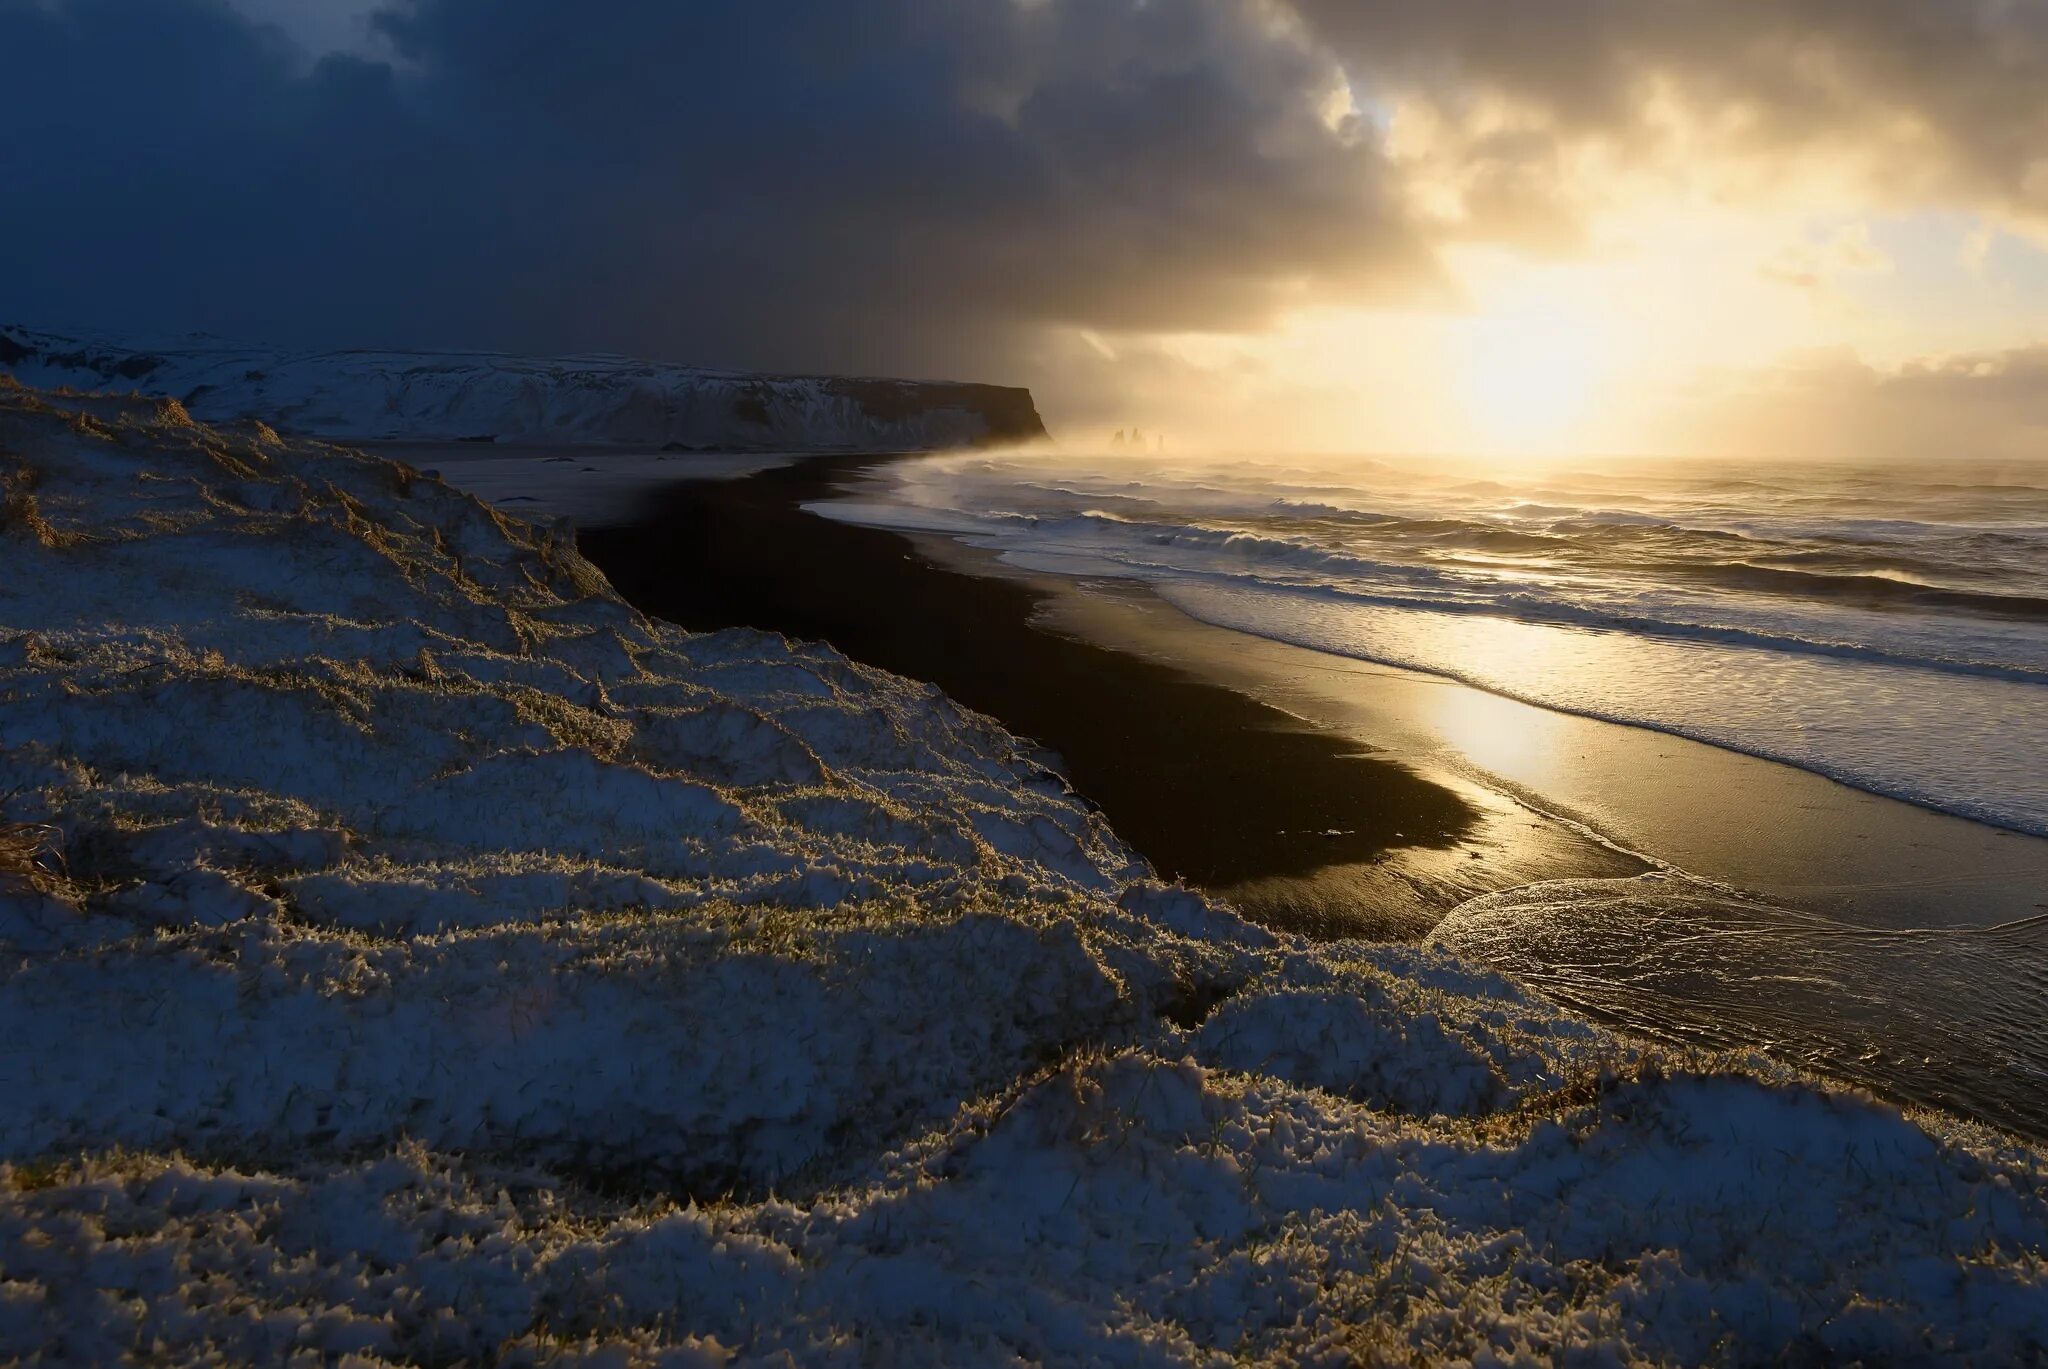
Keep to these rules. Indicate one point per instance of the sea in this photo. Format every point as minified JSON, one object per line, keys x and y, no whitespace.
{"x":1883,"y":625}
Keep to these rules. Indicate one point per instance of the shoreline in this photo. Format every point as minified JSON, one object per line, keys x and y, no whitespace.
{"x":1723,"y":818}
{"x":1504,"y":793}
{"x":1305,"y":828}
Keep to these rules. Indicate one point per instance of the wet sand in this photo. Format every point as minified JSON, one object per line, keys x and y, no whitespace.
{"x":1304,"y":826}
{"x":1770,"y":830}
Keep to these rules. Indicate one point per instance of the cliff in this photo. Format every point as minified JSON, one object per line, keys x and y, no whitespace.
{"x":491,"y":396}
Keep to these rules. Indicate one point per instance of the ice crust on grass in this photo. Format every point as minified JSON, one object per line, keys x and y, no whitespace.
{"x":434,"y":959}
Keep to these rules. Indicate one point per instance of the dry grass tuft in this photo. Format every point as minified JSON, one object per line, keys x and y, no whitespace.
{"x":23,"y":847}
{"x":18,"y":508}
{"x":170,"y":413}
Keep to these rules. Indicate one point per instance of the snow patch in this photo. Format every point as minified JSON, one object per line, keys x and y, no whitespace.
{"x":485,"y":398}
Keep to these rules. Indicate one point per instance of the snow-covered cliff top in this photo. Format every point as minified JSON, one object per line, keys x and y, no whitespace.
{"x":432,"y":959}
{"x":475,"y":395}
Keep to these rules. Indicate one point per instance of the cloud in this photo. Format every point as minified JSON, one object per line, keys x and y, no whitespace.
{"x":1814,"y":264}
{"x":904,"y":184}
{"x":1917,"y":102}
{"x":2012,"y":384}
{"x":1990,"y":405}
{"x":318,"y":26}
{"x":949,"y":187}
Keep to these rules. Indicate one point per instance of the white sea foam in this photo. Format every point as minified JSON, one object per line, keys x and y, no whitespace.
{"x":1883,"y":626}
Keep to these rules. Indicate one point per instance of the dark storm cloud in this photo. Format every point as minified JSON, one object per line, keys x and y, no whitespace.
{"x":892,"y":185}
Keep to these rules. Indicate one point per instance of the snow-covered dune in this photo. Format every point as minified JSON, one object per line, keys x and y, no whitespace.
{"x":475,"y":395}
{"x":432,"y":959}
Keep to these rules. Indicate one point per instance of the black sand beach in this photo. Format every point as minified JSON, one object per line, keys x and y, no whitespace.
{"x":1304,"y":827}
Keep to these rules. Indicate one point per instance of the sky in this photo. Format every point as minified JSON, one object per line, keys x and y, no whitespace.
{"x":1775,"y":228}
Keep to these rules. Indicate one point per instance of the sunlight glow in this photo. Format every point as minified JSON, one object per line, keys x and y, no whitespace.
{"x":1528,"y":376}
{"x":1681,"y":332}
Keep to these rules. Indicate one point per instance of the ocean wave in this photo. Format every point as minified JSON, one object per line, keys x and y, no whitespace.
{"x":1580,"y":518}
{"x":1812,"y":615}
{"x":1868,"y":589}
{"x":1538,"y":612}
{"x":1230,"y":554}
{"x":1840,"y":759}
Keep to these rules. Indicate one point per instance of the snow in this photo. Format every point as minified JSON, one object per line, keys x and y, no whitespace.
{"x":436,"y":959}
{"x":484,"y":397}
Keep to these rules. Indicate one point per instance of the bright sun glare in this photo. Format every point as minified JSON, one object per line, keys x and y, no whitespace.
{"x":1526,"y":378}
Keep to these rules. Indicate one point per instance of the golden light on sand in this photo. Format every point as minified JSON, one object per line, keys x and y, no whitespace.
{"x":1501,"y":736}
